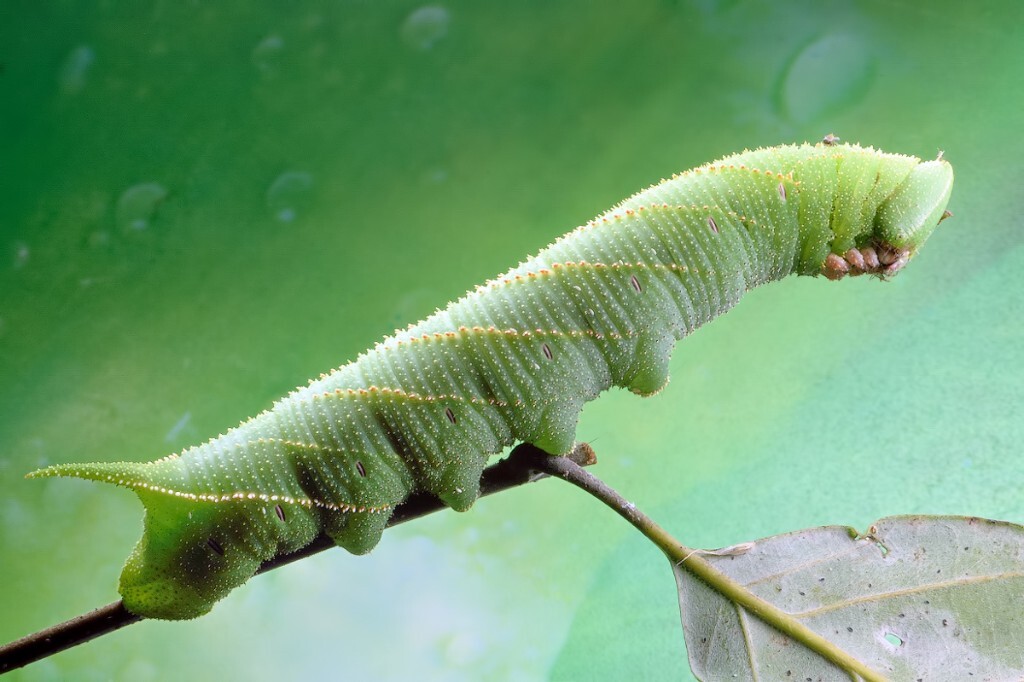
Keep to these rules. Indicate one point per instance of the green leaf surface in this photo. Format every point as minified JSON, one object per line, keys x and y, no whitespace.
{"x":917,"y":597}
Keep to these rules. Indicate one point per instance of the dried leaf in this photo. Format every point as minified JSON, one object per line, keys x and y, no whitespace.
{"x":917,"y":597}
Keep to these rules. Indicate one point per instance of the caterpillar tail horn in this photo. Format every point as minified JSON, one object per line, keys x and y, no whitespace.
{"x":125,"y":474}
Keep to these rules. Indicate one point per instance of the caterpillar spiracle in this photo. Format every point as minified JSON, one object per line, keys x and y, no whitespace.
{"x":512,"y":361}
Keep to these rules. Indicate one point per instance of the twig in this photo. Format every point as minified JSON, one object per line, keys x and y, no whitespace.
{"x":65,"y":635}
{"x":515,"y":470}
{"x":692,"y":560}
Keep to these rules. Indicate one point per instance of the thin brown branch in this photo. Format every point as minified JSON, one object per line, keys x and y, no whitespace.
{"x":78,"y":630}
{"x":520,"y":467}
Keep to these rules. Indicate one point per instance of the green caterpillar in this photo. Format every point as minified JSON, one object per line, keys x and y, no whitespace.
{"x":512,"y":361}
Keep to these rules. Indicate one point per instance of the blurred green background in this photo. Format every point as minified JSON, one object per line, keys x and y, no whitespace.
{"x":204,"y":204}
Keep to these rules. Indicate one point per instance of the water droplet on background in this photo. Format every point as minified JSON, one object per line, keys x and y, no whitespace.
{"x":75,"y":70}
{"x":826,"y":76}
{"x":267,"y":52}
{"x":425,"y":26}
{"x":288,"y":193}
{"x":21,"y":255}
{"x":137,"y":206}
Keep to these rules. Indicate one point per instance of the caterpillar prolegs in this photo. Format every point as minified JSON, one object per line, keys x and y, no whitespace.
{"x":512,"y":361}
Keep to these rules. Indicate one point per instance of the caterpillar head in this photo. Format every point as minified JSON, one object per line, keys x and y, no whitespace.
{"x":909,"y":215}
{"x":902,"y":224}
